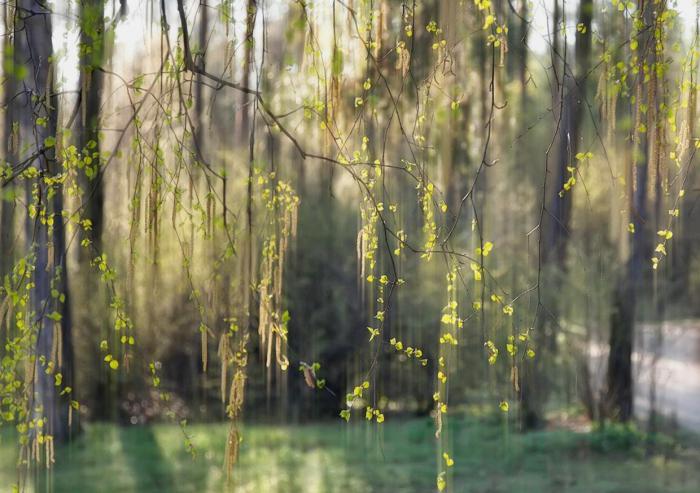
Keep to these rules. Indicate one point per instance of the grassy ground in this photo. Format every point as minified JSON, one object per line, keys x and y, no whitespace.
{"x":398,"y":456}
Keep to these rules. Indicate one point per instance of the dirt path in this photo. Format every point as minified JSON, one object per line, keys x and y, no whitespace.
{"x":669,"y":356}
{"x":667,"y":359}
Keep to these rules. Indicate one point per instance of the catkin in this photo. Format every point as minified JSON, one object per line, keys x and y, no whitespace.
{"x":223,"y":356}
{"x":203,"y":331}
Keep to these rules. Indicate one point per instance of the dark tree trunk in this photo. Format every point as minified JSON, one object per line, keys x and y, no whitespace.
{"x":619,"y":402}
{"x":53,"y":346}
{"x":245,"y":110}
{"x":570,"y":100}
{"x":572,"y":109}
{"x":93,"y":55}
{"x":199,"y":87}
{"x":619,"y":376}
{"x":9,"y":148}
{"x":92,"y":51}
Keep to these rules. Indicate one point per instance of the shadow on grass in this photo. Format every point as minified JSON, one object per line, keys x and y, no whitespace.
{"x":107,"y":457}
{"x":150,"y":469}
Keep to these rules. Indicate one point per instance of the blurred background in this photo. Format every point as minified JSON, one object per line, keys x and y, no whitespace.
{"x":361,"y":245}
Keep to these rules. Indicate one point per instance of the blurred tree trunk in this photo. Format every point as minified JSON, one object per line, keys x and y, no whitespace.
{"x":53,"y":346}
{"x":680,"y":275}
{"x":91,"y":316}
{"x":571,"y":118}
{"x":9,"y":147}
{"x":199,"y":87}
{"x":455,"y":155}
{"x":92,"y":49}
{"x":619,"y":375}
{"x":249,"y":55}
{"x":421,"y":41}
{"x":619,"y":401}
{"x":570,"y":100}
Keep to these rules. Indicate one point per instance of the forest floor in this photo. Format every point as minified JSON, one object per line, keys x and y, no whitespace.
{"x":397,"y":456}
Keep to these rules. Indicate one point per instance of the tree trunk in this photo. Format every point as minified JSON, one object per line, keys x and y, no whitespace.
{"x":199,"y":87}
{"x":619,"y":376}
{"x":557,"y":218}
{"x":9,"y":148}
{"x":53,"y":346}
{"x":620,"y":393}
{"x":243,"y":127}
{"x":572,"y":108}
{"x":92,"y":50}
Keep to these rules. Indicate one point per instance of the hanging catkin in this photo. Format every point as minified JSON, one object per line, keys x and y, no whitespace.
{"x":282,"y":200}
{"x":237,"y":394}
{"x":205,"y":353}
{"x":232,"y":444}
{"x":223,"y":357}
{"x":58,"y":345}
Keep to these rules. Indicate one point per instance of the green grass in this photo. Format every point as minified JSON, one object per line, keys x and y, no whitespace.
{"x":398,"y":456}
